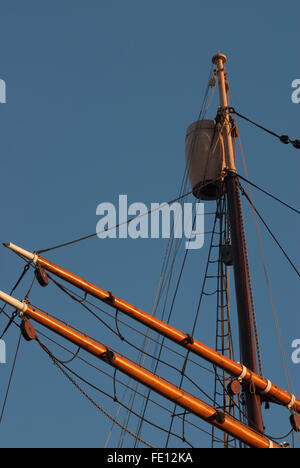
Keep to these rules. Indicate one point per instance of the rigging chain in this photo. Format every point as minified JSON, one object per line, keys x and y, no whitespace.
{"x":102,"y":410}
{"x":269,"y":194}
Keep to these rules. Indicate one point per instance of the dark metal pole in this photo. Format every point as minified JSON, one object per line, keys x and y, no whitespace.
{"x":243,"y":297}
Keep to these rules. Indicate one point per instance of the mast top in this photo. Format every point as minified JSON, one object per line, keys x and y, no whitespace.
{"x":218,"y":57}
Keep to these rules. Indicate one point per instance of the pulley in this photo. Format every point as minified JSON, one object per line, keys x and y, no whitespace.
{"x":226,"y":254}
{"x":42,"y":277}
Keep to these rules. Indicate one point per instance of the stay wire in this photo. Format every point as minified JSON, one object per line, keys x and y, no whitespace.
{"x":275,"y":315}
{"x":272,"y":302}
{"x":122,"y":383}
{"x":10,"y":378}
{"x":12,"y":318}
{"x":168,"y":320}
{"x":269,"y":230}
{"x":91,"y":400}
{"x":75,"y":241}
{"x":80,"y":301}
{"x":243,"y":413}
{"x":112,"y":349}
{"x":12,"y":321}
{"x":149,"y":355}
{"x":162,"y":284}
{"x":57,"y":362}
{"x":269,"y":194}
{"x":183,"y":370}
{"x":201,"y":116}
{"x":169,"y":282}
{"x":223,"y":342}
{"x":175,"y":406}
{"x":62,"y":288}
{"x":206,"y":272}
{"x":118,"y":381}
{"x":283,"y":138}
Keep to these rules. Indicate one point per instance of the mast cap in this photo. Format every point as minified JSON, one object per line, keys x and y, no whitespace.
{"x":218,"y":57}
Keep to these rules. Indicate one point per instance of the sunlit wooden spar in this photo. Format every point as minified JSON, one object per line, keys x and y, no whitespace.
{"x":164,"y":388}
{"x":262,"y":385}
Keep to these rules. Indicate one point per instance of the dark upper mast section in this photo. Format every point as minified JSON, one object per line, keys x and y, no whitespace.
{"x":240,"y":257}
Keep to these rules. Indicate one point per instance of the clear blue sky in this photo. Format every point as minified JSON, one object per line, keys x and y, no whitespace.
{"x":99,"y":96}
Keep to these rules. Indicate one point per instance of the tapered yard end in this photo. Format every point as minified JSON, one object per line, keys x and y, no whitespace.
{"x":22,"y":252}
{"x":6,"y":244}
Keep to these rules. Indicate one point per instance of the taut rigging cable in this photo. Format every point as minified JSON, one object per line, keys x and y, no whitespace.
{"x":283,"y":138}
{"x":269,"y":230}
{"x":11,"y":377}
{"x":270,"y":293}
{"x":269,"y":194}
{"x":62,"y":368}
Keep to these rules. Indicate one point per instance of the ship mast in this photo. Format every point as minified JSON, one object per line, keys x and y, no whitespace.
{"x":239,"y":250}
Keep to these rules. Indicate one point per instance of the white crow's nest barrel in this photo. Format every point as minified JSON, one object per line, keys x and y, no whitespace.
{"x":205,"y":159}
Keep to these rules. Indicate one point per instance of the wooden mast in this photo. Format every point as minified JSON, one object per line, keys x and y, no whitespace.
{"x":240,"y":258}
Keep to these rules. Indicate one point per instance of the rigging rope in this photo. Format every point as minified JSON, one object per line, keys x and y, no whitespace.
{"x":158,"y":296}
{"x":119,"y":381}
{"x":102,"y":410}
{"x":224,"y":343}
{"x":143,"y":351}
{"x":270,"y":293}
{"x":283,"y":138}
{"x":90,"y":236}
{"x":159,"y":351}
{"x":12,"y":321}
{"x":162,"y":281}
{"x":26,"y":268}
{"x":269,"y":194}
{"x":269,"y":230}
{"x":80,"y":300}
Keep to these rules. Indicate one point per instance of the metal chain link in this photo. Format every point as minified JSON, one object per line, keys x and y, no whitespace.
{"x":102,"y":410}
